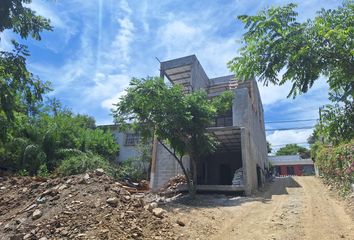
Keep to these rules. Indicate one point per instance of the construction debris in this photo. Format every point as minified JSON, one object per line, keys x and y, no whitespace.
{"x":63,"y":208}
{"x":174,"y":182}
{"x":238,"y":177}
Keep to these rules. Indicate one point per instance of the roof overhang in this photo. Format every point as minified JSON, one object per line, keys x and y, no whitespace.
{"x":229,"y":138}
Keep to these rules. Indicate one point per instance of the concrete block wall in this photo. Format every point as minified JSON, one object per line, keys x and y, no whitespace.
{"x":166,"y":167}
{"x":248,"y":113}
{"x":199,"y":78}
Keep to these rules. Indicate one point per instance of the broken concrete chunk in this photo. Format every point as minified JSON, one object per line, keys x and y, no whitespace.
{"x":152,"y":206}
{"x":113,"y":202}
{"x":37,"y":214}
{"x":86,"y":176}
{"x":62,"y":187}
{"x":158,"y":212}
{"x":99,"y":171}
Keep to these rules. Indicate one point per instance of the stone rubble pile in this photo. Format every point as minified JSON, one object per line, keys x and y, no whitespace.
{"x":86,"y":206}
{"x":174,"y":182}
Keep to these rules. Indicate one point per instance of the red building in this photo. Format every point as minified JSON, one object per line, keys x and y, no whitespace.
{"x":290,"y":165}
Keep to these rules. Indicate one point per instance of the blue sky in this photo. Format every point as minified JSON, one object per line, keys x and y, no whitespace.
{"x":97,"y":46}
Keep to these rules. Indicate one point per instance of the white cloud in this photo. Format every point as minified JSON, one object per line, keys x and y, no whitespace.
{"x":273,"y":93}
{"x":108,"y":103}
{"x":122,"y":41}
{"x":288,"y":137}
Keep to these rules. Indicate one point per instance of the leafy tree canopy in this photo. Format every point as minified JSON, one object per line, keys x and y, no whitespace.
{"x":18,"y":87}
{"x":50,"y":138}
{"x":278,"y":49}
{"x":176,"y":119}
{"x":291,"y":149}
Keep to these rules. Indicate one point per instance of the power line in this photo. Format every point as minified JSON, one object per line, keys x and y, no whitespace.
{"x":295,"y":120}
{"x":285,"y":129}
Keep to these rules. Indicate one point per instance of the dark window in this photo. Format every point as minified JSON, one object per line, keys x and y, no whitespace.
{"x":131,"y":139}
{"x":223,"y":120}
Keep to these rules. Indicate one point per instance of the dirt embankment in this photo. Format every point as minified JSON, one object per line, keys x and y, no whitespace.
{"x":88,"y":206}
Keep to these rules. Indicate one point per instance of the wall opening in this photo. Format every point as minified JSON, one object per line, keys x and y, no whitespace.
{"x":219,"y":168}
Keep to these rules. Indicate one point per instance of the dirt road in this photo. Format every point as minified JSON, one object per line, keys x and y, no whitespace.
{"x":290,"y":208}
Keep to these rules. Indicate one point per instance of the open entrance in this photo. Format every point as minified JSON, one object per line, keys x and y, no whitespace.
{"x":223,"y":168}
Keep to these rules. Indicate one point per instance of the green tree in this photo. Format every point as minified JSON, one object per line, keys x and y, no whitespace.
{"x":177,"y":120}
{"x":20,"y":90}
{"x":291,"y":149}
{"x":49,"y":139}
{"x":278,"y":49}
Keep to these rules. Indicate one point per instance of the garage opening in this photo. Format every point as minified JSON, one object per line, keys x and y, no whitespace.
{"x":220,"y":167}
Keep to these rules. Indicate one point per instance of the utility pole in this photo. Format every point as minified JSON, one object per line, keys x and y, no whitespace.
{"x":320,"y":119}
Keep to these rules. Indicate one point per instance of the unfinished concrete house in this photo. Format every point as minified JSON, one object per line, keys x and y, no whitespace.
{"x":240,"y":160}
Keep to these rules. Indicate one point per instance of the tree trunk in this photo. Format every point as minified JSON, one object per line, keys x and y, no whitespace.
{"x":193,"y":175}
{"x":190,"y":182}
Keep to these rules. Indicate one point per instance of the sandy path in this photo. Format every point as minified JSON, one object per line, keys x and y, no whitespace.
{"x":291,"y":208}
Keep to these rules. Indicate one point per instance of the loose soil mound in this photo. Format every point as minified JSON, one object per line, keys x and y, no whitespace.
{"x":88,"y":206}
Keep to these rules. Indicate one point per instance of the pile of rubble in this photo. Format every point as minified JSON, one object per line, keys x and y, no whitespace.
{"x":87,"y":206}
{"x":174,"y":182}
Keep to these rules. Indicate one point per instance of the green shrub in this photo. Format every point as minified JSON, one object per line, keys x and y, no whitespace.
{"x":43,"y":171}
{"x":81,"y":163}
{"x":336,"y":164}
{"x":132,"y":170}
{"x":23,"y":172}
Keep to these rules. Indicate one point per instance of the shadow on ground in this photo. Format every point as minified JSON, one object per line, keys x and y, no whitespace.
{"x":277,"y":187}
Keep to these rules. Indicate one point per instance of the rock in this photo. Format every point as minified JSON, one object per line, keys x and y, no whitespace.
{"x":3,"y":188}
{"x":152,"y":206}
{"x":64,"y":233}
{"x":158,"y":212}
{"x":62,"y":187}
{"x":41,"y":200}
{"x":113,"y":202}
{"x":50,"y":192}
{"x":43,"y":238}
{"x":27,"y":236}
{"x":180,"y":222}
{"x":86,"y":176}
{"x":99,"y":171}
{"x":37,"y":214}
{"x":123,"y":191}
{"x":8,"y":227}
{"x":31,"y":207}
